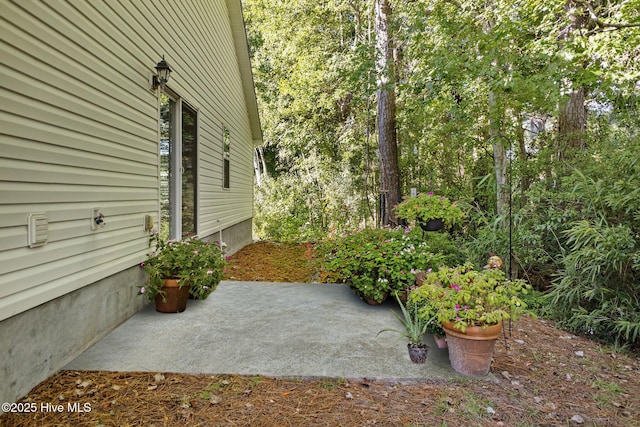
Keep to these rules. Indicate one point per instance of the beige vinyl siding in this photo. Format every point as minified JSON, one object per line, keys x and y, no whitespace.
{"x":214,"y":88}
{"x":79,"y":130}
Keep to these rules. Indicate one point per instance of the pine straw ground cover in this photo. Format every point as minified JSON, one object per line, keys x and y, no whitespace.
{"x":544,"y":376}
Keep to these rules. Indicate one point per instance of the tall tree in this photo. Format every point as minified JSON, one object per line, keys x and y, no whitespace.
{"x":587,"y":18}
{"x":386,"y":118}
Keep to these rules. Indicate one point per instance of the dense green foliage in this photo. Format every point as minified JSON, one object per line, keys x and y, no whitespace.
{"x":375,"y":262}
{"x":596,"y":289}
{"x":485,"y":94}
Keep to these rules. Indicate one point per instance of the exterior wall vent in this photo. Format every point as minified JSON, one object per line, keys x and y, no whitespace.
{"x":38,"y":229}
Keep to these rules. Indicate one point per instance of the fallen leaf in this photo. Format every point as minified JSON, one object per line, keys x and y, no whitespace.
{"x":577,"y":419}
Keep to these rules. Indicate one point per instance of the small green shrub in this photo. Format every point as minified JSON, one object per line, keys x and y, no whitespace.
{"x":427,"y":206}
{"x":377,"y":261}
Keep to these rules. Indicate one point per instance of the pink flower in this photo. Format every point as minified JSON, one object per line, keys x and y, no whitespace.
{"x":456,"y":286}
{"x":457,"y":307}
{"x":209,"y":271}
{"x":141,"y":264}
{"x":228,"y":258}
{"x":142,"y":290}
{"x":195,"y":252}
{"x":430,"y":193}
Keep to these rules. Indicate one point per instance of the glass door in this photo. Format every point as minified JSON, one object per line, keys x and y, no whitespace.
{"x":178,"y":168}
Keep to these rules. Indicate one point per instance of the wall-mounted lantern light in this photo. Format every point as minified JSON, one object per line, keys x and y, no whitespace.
{"x":162,"y":77}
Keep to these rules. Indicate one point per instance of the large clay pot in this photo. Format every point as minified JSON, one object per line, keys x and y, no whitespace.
{"x":175,"y":297}
{"x":470,"y":353}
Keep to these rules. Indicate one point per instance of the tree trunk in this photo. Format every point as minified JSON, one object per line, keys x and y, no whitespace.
{"x":499,"y":144}
{"x":572,"y":123}
{"x":525,"y":178}
{"x":386,"y":119}
{"x":572,"y":117}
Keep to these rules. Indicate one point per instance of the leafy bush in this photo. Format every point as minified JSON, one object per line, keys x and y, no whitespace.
{"x":428,"y":206}
{"x":596,"y":291}
{"x":314,"y":196}
{"x":376,"y":261}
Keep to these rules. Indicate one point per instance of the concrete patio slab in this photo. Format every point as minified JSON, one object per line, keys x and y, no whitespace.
{"x":293,"y":330}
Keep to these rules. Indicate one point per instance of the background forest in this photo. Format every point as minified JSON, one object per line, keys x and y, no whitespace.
{"x":524,"y":111}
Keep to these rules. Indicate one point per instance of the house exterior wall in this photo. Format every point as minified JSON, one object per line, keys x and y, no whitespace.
{"x":79,"y":130}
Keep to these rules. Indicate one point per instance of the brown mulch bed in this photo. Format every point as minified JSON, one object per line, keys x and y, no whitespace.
{"x":544,"y":376}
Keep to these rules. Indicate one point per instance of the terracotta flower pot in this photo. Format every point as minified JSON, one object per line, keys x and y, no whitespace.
{"x":372,"y":301}
{"x":441,"y":342}
{"x":470,"y":353}
{"x":175,"y":297}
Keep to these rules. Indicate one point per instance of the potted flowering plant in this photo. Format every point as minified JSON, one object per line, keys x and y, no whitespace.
{"x":471,"y":306}
{"x":191,"y":265}
{"x":427,"y":207}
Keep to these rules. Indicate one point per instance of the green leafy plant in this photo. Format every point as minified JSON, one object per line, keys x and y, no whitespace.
{"x":414,"y":325}
{"x":375,"y":262}
{"x":193,"y":262}
{"x":595,"y":289}
{"x":427,"y":303}
{"x":427,"y":206}
{"x":468,"y":297}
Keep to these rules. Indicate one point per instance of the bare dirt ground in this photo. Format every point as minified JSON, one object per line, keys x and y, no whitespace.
{"x":545,"y":377}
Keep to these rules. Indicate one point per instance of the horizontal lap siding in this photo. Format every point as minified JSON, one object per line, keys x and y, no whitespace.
{"x":207,"y":77}
{"x":79,"y":130}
